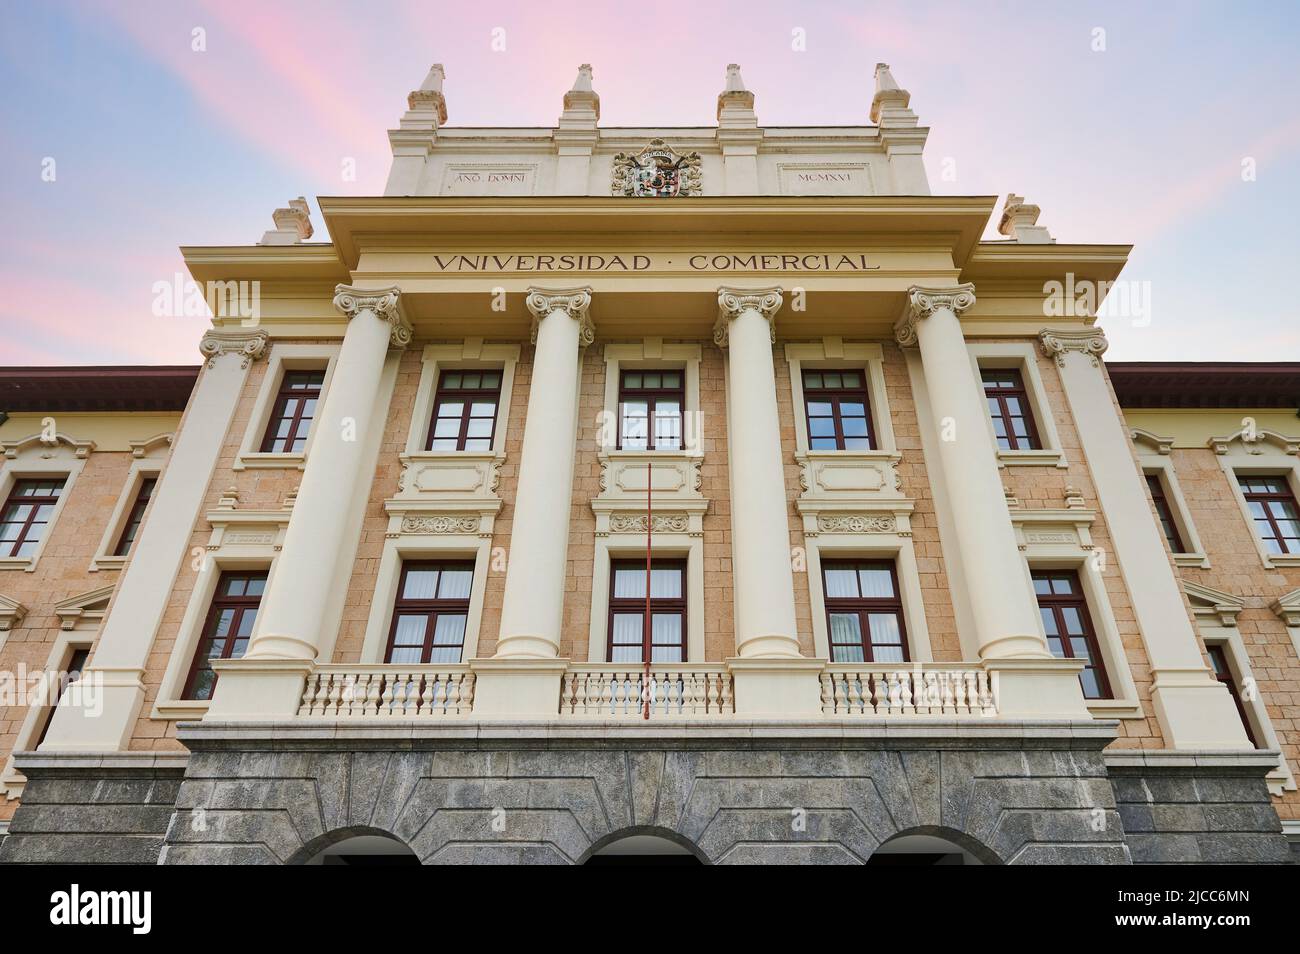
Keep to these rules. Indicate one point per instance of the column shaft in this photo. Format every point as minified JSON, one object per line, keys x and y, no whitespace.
{"x":760,"y":532}
{"x":533,"y":607}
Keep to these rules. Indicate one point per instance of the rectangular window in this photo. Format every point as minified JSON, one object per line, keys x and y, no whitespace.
{"x":1013,"y":422}
{"x":1069,"y":629}
{"x":75,"y":665}
{"x":837,"y":410}
{"x":430,"y":613}
{"x":1273,"y":508}
{"x":627,"y":611}
{"x":464,"y":411}
{"x":864,"y":612}
{"x":1219,"y":661}
{"x":26,"y":515}
{"x":293,"y":411}
{"x":1165,"y":514}
{"x":227,"y":628}
{"x":135,"y":517}
{"x":650,"y":396}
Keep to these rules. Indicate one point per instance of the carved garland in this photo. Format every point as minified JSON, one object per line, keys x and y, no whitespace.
{"x":856,"y":523}
{"x":442,"y":523}
{"x":636,"y":523}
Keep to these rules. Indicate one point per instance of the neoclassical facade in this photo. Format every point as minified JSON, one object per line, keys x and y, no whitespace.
{"x":717,"y":493}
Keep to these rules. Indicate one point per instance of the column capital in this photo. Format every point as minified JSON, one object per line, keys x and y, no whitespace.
{"x":1057,"y":343}
{"x":249,"y":345}
{"x":924,"y":302}
{"x":384,"y":303}
{"x":732,"y":301}
{"x":574,"y":302}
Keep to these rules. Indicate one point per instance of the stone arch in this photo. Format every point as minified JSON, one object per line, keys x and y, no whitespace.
{"x":982,"y":853}
{"x":645,"y":831}
{"x":337,"y":836}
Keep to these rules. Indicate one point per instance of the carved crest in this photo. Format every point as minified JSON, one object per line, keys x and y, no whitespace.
{"x":657,"y":172}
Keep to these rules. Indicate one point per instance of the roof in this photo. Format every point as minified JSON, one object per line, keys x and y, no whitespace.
{"x":99,"y":388}
{"x":1206,"y":384}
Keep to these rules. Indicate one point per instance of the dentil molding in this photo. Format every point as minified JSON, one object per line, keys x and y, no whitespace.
{"x":924,"y":302}
{"x":383,"y":303}
{"x":733,"y":301}
{"x":574,"y":302}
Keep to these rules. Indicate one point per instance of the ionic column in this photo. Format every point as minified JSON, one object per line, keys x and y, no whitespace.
{"x":760,"y":532}
{"x":1004,"y":611}
{"x":121,"y":655}
{"x":1194,"y":709}
{"x":292,"y":627}
{"x":533,"y":605}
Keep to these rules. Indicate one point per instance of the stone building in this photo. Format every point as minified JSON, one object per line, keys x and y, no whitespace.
{"x":925,"y":576}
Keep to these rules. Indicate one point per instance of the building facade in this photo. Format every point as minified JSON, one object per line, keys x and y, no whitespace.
{"x":916,"y":573}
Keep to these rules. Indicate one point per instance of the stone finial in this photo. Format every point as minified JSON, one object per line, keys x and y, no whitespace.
{"x":735,"y":102}
{"x":581,"y":104}
{"x":427,"y":106}
{"x":889,"y":107}
{"x":292,"y":224}
{"x":1020,"y":222}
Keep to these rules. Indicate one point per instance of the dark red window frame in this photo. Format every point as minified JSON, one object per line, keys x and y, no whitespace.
{"x":468,"y":398}
{"x":1266,"y":494}
{"x":298,"y":389}
{"x":23,"y":507}
{"x":636,"y":606}
{"x":135,"y":517}
{"x":864,"y":607}
{"x":1165,"y":513}
{"x":1054,"y":605}
{"x":816,"y":392}
{"x":240,"y":605}
{"x":1223,"y":673}
{"x":431,"y":609}
{"x":1001,"y":387}
{"x":76,"y":663}
{"x":653,"y":397}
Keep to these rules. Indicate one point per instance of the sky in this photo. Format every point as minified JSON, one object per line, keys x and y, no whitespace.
{"x":128,"y":129}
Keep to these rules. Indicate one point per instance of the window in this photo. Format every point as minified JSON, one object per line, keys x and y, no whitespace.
{"x":227,"y":628}
{"x":864,"y":612}
{"x":292,"y":414}
{"x":627,"y":609}
{"x":645,"y":396}
{"x":27,"y":515}
{"x":1273,"y":509}
{"x":135,"y":517}
{"x":1219,"y":662}
{"x":75,"y":665}
{"x":465,"y":411}
{"x":1013,"y":422}
{"x":1165,"y":514}
{"x":1069,"y":629}
{"x":838,"y":411}
{"x":430,"y":613}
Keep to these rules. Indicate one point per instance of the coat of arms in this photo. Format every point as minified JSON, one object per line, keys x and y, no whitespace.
{"x":658,"y":172}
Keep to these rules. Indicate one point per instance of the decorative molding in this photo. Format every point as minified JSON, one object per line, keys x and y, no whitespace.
{"x":657,"y":171}
{"x":923,"y":302}
{"x":733,"y":301}
{"x":857,"y":523}
{"x":141,"y":449}
{"x":440,"y":523}
{"x":11,"y":613}
{"x":83,"y":607}
{"x":1253,"y":441}
{"x":81,"y":449}
{"x":1287,"y":608}
{"x":574,"y":302}
{"x":384,"y":303}
{"x":1088,"y":341}
{"x":1207,"y":601}
{"x":248,"y":345}
{"x":1161,"y":445}
{"x":636,"y":523}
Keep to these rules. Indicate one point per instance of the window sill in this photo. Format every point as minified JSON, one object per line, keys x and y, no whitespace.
{"x":103,"y":562}
{"x":1031,"y":458}
{"x":1194,"y":559}
{"x":259,"y":461}
{"x":1115,"y":709}
{"x":1282,"y":559}
{"x":177,"y":709}
{"x":18,"y":563}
